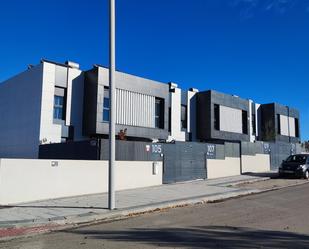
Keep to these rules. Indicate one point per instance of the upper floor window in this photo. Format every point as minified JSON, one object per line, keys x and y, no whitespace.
{"x":106,"y":106}
{"x":296,"y":127}
{"x":58,"y":107}
{"x":244,"y":122}
{"x":159,"y":113}
{"x":183,"y":117}
{"x":217,"y":117}
{"x":278,"y":124}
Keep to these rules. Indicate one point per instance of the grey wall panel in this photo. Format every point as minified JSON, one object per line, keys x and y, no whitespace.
{"x":130,"y":151}
{"x":205,"y":119}
{"x":184,"y":161}
{"x":279,"y":151}
{"x":251,"y":149}
{"x":232,"y":149}
{"x":81,"y":150}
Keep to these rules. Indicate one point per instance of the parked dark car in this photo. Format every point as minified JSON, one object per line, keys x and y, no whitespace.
{"x":297,"y":165}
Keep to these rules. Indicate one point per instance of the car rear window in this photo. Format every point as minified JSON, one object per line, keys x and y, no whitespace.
{"x":297,"y":159}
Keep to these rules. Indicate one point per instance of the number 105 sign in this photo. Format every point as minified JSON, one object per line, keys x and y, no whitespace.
{"x":154,"y":148}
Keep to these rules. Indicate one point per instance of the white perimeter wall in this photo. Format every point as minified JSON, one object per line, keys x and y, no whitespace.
{"x":223,"y":168}
{"x":255,"y":164}
{"x":20,"y":108}
{"x":29,"y":180}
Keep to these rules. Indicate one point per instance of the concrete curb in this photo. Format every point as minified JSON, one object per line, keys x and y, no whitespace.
{"x":23,"y":229}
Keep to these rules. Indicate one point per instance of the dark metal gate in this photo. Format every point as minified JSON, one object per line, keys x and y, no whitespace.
{"x":279,"y":152}
{"x":184,"y":162}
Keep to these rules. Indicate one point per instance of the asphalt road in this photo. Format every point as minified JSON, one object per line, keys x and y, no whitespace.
{"x":276,"y":219}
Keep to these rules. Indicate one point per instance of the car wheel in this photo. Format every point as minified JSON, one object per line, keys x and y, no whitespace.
{"x":307,"y":175}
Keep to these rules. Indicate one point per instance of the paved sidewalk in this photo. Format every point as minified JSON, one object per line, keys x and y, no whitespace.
{"x":89,"y":208}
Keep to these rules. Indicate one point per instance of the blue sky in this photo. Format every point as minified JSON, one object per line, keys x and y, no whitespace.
{"x":256,"y":49}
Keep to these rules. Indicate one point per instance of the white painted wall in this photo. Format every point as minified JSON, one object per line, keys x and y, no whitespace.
{"x":76,"y":77}
{"x":49,"y":131}
{"x":74,"y":104}
{"x":258,"y":119}
{"x":191,"y":113}
{"x":255,"y":164}
{"x":230,"y":119}
{"x":287,"y":126}
{"x":20,"y":108}
{"x":30,"y":180}
{"x":292,"y":127}
{"x":284,"y":125}
{"x":176,"y":133}
{"x":222,"y":168}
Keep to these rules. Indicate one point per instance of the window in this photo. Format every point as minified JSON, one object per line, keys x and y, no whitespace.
{"x":58,"y":107}
{"x":183,"y":117}
{"x":244,"y":122}
{"x":217,"y":117}
{"x":301,"y":159}
{"x":296,"y":127}
{"x":278,"y":124}
{"x":159,"y":113}
{"x":106,"y":105}
{"x":253,"y":124}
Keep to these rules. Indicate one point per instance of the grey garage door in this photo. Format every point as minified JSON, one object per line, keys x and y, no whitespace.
{"x":184,"y":162}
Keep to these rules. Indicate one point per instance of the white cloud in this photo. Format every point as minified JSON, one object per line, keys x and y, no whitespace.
{"x":250,"y":7}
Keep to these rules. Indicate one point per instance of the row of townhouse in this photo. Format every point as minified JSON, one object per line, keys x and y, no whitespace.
{"x":56,"y":103}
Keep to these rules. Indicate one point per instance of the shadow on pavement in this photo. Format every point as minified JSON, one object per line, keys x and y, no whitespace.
{"x":272,"y":175}
{"x":51,"y":206}
{"x":202,"y":237}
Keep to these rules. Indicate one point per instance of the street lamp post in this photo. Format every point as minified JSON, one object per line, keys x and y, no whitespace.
{"x":112,"y":99}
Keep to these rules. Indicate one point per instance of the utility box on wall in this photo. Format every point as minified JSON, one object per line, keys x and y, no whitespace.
{"x":155,"y":168}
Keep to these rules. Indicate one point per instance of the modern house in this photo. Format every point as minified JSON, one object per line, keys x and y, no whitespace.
{"x":279,"y":123}
{"x":57,"y":103}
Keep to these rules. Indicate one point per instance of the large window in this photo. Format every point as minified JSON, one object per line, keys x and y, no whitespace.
{"x":244,"y":122}
{"x":159,"y":113}
{"x":216,"y":117}
{"x":106,"y":105}
{"x":58,"y":107}
{"x":183,"y":117}
{"x":296,"y":127}
{"x":278,"y":124}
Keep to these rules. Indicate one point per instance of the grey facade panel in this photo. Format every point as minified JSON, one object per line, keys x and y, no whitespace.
{"x":184,"y":161}
{"x":251,"y":149}
{"x":206,"y":119}
{"x":232,"y":149}
{"x":269,"y":120}
{"x":95,"y":81}
{"x":130,"y":151}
